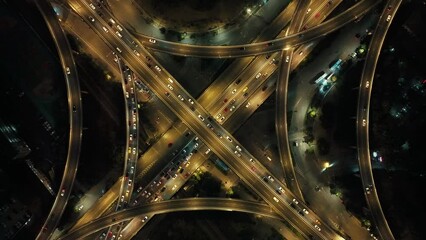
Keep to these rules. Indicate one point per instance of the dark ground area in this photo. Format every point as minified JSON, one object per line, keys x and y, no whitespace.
{"x":398,"y":120}
{"x":207,"y":224}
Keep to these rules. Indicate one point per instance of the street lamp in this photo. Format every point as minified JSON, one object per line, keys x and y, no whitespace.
{"x":326,"y":165}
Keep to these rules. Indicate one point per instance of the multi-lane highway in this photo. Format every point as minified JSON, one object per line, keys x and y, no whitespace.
{"x":75,"y":119}
{"x":196,"y":117}
{"x":265,"y":47}
{"x":230,"y":151}
{"x":269,"y":32}
{"x":363,"y":110}
{"x":187,"y":204}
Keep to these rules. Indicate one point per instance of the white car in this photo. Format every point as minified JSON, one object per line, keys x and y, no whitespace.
{"x":388,"y":18}
{"x":367,"y":190}
{"x":367,"y":84}
{"x":137,"y":53}
{"x":218,"y":116}
{"x":305,"y":211}
{"x":238,"y":148}
{"x":237,"y":153}
{"x":201,"y":117}
{"x":181,"y":98}
{"x":276,"y":199}
{"x":287,"y":59}
{"x":157,"y":68}
{"x":364,"y":122}
{"x":229,"y":139}
{"x":91,"y":18}
{"x":152,"y":40}
{"x":248,"y":104}
{"x":222,"y":119}
{"x":92,"y":7}
{"x":170,"y":87}
{"x":105,"y":29}
{"x":170,"y":80}
{"x":112,"y":21}
{"x":307,"y":11}
{"x":258,"y":75}
{"x":295,"y":201}
{"x":145,"y":218}
{"x":68,"y":70}
{"x":318,"y":228}
{"x":80,"y":207}
{"x":119,"y":27}
{"x":232,"y":108}
{"x":118,"y":34}
{"x":208,"y":150}
{"x":234,"y":91}
{"x":271,"y":178}
{"x":190,"y":101}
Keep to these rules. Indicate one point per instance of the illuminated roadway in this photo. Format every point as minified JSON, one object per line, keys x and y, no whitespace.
{"x":132,"y":126}
{"x":364,"y":97}
{"x":75,"y":119}
{"x":268,"y":33}
{"x":223,"y":148}
{"x":207,"y":99}
{"x":258,"y":48}
{"x":281,"y":102}
{"x":187,"y":204}
{"x":216,"y":104}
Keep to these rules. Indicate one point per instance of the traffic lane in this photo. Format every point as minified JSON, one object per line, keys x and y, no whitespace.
{"x":299,"y":15}
{"x":263,"y":47}
{"x":235,"y":69}
{"x":281,"y":126}
{"x":225,"y":95}
{"x":250,"y":76}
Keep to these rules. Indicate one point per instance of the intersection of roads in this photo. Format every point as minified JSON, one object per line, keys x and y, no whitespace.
{"x":244,"y":85}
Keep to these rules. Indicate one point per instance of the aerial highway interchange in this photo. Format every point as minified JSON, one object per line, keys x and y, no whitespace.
{"x":212,"y":129}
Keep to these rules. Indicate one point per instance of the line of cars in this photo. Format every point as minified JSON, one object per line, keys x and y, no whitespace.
{"x":171,"y":171}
